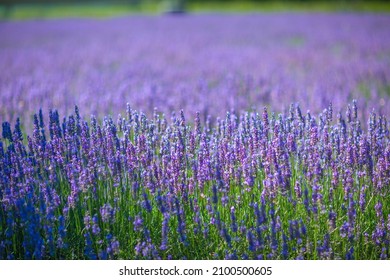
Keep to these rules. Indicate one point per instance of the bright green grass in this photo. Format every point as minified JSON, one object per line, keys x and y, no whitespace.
{"x":275,"y":6}
{"x":20,"y":12}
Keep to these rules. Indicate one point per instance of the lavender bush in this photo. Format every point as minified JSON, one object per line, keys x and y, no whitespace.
{"x":212,"y":158}
{"x":240,"y":62}
{"x":249,"y":186}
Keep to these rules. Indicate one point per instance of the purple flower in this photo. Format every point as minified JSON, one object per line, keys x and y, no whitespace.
{"x":362,"y":198}
{"x":95,"y":225}
{"x":107,"y":213}
{"x":297,"y":189}
{"x":345,"y":229}
{"x":251,"y":243}
{"x":87,"y":221}
{"x":165,"y":232}
{"x":285,"y":250}
{"x":383,"y":255}
{"x":378,"y":209}
{"x":233,"y":219}
{"x":350,"y":254}
{"x":138,"y":223}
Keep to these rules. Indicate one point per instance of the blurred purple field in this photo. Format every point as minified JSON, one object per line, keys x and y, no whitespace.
{"x":261,"y":136}
{"x":206,"y":63}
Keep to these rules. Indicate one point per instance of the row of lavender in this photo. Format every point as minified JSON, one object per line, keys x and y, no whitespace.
{"x":249,"y":186}
{"x":172,"y":63}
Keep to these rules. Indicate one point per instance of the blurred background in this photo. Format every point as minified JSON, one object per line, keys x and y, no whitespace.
{"x":30,"y":9}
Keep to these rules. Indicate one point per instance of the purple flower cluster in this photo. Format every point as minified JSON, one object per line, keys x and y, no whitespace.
{"x":254,"y":185}
{"x":206,"y":63}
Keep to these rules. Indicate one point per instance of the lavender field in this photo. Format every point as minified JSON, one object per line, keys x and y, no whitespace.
{"x":261,"y":136}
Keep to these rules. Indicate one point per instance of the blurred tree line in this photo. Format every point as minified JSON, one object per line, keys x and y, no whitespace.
{"x":67,"y":1}
{"x":136,"y":2}
{"x":172,"y":6}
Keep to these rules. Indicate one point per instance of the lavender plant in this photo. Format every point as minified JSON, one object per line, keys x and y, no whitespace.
{"x":240,"y":62}
{"x":255,"y":185}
